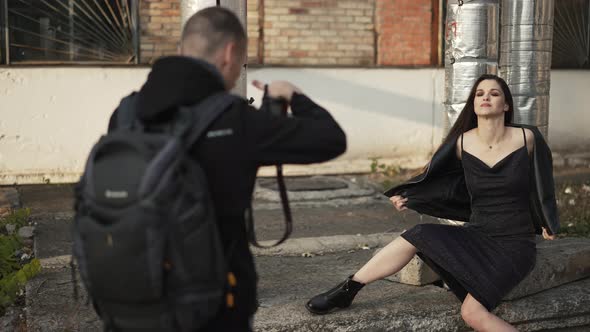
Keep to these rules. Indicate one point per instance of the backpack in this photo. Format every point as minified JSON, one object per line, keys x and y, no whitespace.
{"x":145,"y":236}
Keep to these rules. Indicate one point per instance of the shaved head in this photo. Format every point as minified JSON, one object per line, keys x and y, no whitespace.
{"x":209,"y":30}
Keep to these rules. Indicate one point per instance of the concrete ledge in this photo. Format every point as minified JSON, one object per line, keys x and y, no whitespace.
{"x":558,"y":262}
{"x":325,"y":244}
{"x":429,"y":310}
{"x":55,"y":262}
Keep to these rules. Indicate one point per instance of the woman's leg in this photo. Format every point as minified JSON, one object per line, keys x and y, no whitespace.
{"x":480,"y":319}
{"x":387,"y":261}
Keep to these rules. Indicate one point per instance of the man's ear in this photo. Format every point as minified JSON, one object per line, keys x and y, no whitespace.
{"x":228,"y":52}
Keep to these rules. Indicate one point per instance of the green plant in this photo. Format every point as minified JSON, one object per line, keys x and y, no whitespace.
{"x":18,"y":218}
{"x":12,"y":284}
{"x":573,"y":201}
{"x":9,"y":244}
{"x":384,"y":169}
{"x":13,"y":274}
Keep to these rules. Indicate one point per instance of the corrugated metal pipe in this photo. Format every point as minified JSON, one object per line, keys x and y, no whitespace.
{"x":471,"y":50}
{"x":525,"y":58}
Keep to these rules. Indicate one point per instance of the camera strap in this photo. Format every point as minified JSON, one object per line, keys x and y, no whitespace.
{"x":286,"y":210}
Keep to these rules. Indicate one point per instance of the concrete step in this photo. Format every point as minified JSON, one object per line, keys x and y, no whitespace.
{"x":286,"y":283}
{"x":51,"y":306}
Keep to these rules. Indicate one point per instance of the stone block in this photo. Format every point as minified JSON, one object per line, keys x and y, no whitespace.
{"x":416,"y":273}
{"x":558,"y":262}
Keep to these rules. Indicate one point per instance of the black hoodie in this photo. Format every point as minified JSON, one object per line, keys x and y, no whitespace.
{"x":251,"y":138}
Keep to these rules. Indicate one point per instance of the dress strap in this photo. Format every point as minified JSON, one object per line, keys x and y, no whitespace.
{"x":461,"y":143}
{"x":523,"y":136}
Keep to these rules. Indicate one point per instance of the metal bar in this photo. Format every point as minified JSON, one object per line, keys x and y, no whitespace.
{"x":123,"y":22}
{"x":6,"y":34}
{"x":52,"y":50}
{"x":96,"y":19}
{"x":47,"y":38}
{"x":129,"y":19}
{"x":81,"y":27}
{"x":96,"y":34}
{"x":116,"y":19}
{"x":109,"y":20}
{"x":71,"y":16}
{"x":81,"y":41}
{"x":135,"y":22}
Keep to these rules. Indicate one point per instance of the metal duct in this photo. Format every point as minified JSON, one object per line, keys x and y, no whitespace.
{"x":471,"y":50}
{"x":189,"y":7}
{"x":525,"y":58}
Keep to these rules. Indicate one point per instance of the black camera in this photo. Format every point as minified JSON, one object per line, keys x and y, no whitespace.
{"x":276,"y":106}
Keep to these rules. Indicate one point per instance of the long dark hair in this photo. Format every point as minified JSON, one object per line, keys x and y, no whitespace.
{"x":467,"y":120}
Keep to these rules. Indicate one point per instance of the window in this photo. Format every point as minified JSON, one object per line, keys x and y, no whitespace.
{"x":571,"y":34}
{"x":69,"y":31}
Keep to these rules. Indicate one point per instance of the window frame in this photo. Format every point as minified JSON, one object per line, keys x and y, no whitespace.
{"x":5,"y":58}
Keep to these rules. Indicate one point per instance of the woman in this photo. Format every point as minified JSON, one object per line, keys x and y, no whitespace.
{"x":484,"y":173}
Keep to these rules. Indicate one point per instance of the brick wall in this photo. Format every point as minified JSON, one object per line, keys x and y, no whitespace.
{"x":318,"y":32}
{"x":404,"y":32}
{"x":313,"y":32}
{"x":253,"y":16}
{"x":159,"y":28}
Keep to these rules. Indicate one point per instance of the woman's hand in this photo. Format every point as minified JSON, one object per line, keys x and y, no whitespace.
{"x":546,"y":235}
{"x":399,"y":202}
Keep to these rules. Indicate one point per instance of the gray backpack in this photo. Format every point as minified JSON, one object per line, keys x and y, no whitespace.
{"x":145,"y":235}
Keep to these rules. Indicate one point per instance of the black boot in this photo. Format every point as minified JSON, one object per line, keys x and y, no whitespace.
{"x":340,"y":296}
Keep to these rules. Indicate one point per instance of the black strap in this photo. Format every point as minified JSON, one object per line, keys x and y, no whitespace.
{"x":286,"y":210}
{"x":126,"y":113}
{"x":203,"y":115}
{"x":524,"y":136}
{"x":461,"y":144}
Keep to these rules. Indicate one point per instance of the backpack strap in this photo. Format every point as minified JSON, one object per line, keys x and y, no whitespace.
{"x":202,"y":116}
{"x":126,"y":113}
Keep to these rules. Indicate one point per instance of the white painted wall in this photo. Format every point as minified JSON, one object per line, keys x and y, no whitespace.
{"x":50,"y":117}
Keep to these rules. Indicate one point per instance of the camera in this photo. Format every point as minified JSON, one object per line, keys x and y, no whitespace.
{"x":276,"y":106}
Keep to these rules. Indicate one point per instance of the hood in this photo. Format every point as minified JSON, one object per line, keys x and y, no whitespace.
{"x":176,"y":81}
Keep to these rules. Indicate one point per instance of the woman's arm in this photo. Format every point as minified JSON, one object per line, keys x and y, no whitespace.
{"x":530,"y":144}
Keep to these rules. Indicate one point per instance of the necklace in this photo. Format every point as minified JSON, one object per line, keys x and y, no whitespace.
{"x":490,"y":146}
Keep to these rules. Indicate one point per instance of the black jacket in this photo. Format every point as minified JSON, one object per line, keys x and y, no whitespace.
{"x":253,"y":138}
{"x":440,"y":191}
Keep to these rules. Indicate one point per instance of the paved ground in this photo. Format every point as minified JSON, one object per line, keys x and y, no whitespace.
{"x":286,"y":282}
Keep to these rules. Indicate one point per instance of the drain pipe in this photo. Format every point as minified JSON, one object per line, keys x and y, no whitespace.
{"x":525,"y":58}
{"x":471,"y":36}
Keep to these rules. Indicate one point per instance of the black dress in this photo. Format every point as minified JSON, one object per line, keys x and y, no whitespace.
{"x":496,"y":249}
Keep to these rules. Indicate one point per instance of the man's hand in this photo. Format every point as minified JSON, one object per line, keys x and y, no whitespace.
{"x":546,"y":235}
{"x":278,"y":89}
{"x":399,"y":202}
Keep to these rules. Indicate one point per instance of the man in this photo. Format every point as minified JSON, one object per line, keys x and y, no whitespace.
{"x":212,"y":51}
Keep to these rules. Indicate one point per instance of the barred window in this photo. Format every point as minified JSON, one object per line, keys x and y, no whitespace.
{"x":69,"y":31}
{"x":571,"y":34}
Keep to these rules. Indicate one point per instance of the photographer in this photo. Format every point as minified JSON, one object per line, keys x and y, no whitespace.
{"x":212,"y":52}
